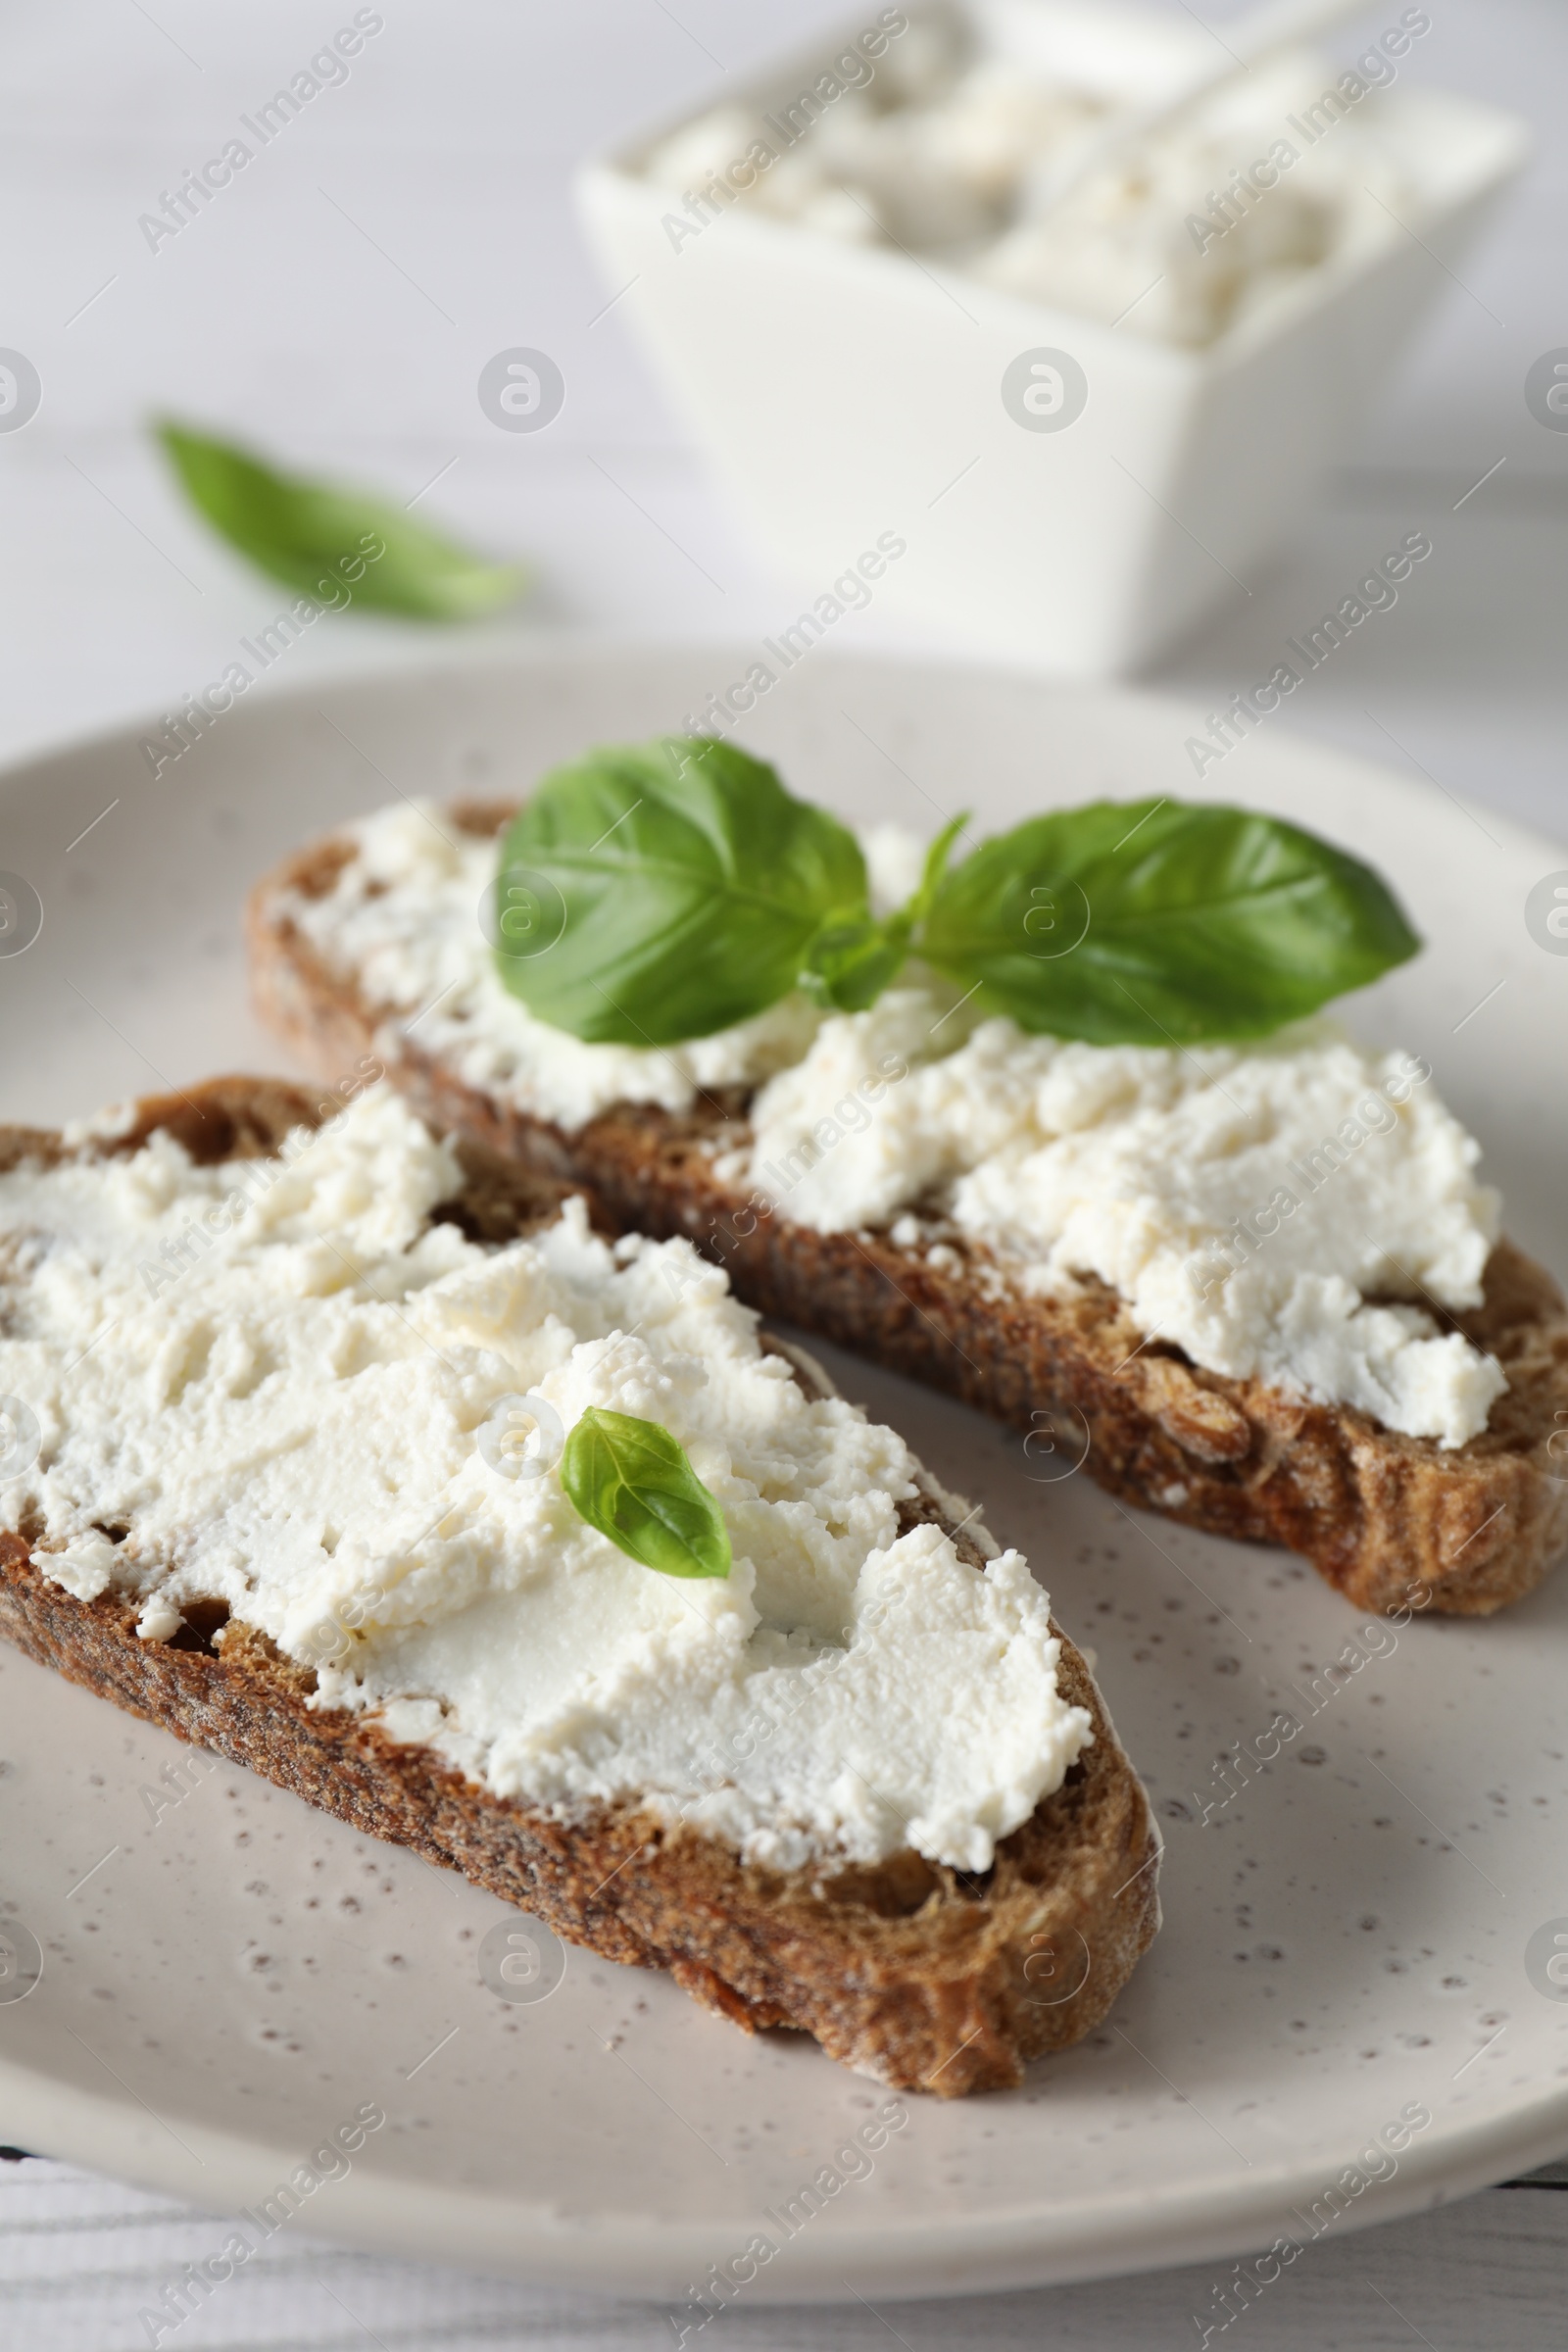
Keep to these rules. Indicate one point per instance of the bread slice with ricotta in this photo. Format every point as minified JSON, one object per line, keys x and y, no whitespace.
{"x":1464,"y":1513}
{"x":257,"y":1347}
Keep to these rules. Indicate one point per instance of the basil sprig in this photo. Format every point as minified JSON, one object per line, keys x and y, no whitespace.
{"x":693,"y":891}
{"x":344,"y":546}
{"x":631,"y":1480}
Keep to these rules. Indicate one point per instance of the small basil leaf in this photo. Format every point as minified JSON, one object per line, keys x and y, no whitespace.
{"x":337,"y":546}
{"x":686,"y":886}
{"x":849,"y":964}
{"x":931,"y":879}
{"x":631,"y":1481}
{"x":1147,"y":922}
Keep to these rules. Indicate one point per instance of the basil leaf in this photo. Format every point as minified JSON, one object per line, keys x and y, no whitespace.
{"x":1146,"y":922}
{"x":934,"y":872}
{"x":632,"y":1480}
{"x":686,"y":886}
{"x":338,"y":545}
{"x":849,"y":964}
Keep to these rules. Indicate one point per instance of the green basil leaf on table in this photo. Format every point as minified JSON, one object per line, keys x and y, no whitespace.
{"x":335,"y":545}
{"x":1151,"y":923}
{"x":631,"y":1480}
{"x":687,"y":886}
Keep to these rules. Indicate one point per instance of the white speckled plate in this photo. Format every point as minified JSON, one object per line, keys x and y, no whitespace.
{"x":1364,"y":1930}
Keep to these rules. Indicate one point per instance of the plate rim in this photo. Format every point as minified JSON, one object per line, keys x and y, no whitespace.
{"x":919,"y":2261}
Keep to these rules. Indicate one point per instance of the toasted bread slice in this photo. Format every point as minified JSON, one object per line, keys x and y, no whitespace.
{"x":1389,"y":1519}
{"x":924,"y":1977}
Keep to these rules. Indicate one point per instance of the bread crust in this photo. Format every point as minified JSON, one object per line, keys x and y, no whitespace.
{"x":1392,"y":1521}
{"x":925,"y":1977}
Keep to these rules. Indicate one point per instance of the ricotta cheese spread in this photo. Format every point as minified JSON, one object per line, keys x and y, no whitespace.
{"x":1247,"y":1202}
{"x":288,"y":1384}
{"x":1292,"y":1211}
{"x":956,"y":158}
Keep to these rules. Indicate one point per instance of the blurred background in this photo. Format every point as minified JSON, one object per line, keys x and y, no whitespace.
{"x":336,"y":303}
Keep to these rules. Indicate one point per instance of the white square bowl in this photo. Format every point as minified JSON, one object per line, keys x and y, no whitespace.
{"x":844,"y":391}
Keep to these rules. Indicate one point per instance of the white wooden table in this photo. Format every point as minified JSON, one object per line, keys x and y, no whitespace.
{"x":336,"y":303}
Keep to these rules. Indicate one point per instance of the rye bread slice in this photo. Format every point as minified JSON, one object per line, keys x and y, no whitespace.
{"x":926,"y":1978}
{"x":1391,"y":1520}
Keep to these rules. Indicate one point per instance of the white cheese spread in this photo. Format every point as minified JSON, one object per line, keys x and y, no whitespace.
{"x":1247,"y":1204}
{"x":1181,"y":237}
{"x":270,"y":1384}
